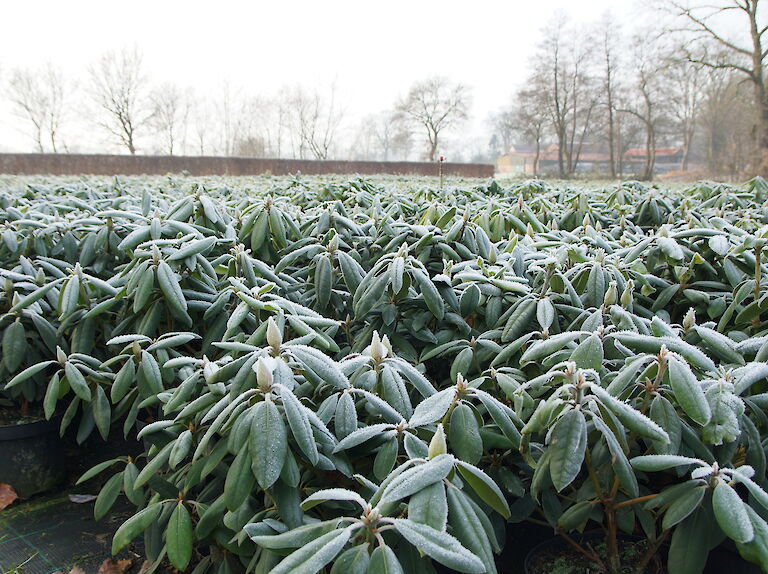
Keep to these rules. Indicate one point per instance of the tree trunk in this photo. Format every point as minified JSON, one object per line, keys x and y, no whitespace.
{"x":762,"y":133}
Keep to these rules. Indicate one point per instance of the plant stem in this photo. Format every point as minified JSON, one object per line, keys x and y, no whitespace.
{"x":576,"y":546}
{"x":635,"y":500}
{"x":651,"y":551}
{"x":758,"y":272}
{"x":611,"y":541}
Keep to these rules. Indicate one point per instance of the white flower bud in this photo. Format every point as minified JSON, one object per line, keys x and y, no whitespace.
{"x":274,"y":336}
{"x":437,"y":445}
{"x":610,"y":295}
{"x":378,"y":350}
{"x":264,"y":367}
{"x":626,"y":296}
{"x":689,"y":321}
{"x":209,"y":369}
{"x":61,"y":356}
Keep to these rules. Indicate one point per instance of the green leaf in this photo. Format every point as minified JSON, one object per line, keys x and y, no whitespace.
{"x":429,"y":506}
{"x":14,"y":346}
{"x":432,"y":408}
{"x":301,"y":429}
{"x":688,"y":392}
{"x":438,"y":545}
{"x":361,"y":435}
{"x":568,"y":444}
{"x":268,"y":443}
{"x":464,"y":434}
{"x":384,"y":561}
{"x":414,"y":479}
{"x":169,"y":285}
{"x":757,"y":549}
{"x":337,"y":494}
{"x":633,"y":419}
{"x":91,"y":472}
{"x":134,"y":526}
{"x":102,"y":413}
{"x":683,"y":506}
{"x":731,"y":515}
{"x":589,"y":353}
{"x":294,"y":538}
{"x":484,"y":487}
{"x":354,"y":560}
{"x":472,"y":527}
{"x":107,"y":496}
{"x":178,"y":537}
{"x":77,"y":381}
{"x":240,"y":479}
{"x":36,"y":295}
{"x":690,"y":546}
{"x":386,"y":457}
{"x":656,"y":462}
{"x":313,"y":556}
{"x":28,"y":373}
{"x":430,"y":294}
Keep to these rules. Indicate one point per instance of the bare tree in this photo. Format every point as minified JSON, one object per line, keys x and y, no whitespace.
{"x":563,"y":60}
{"x":118,"y":87}
{"x":170,"y":115}
{"x":608,"y":35}
{"x":531,"y":121}
{"x":316,"y":120}
{"x":685,"y":87}
{"x":436,"y":104}
{"x":645,"y":101}
{"x":38,"y":97}
{"x":504,"y":125}
{"x":704,"y":23}
{"x":726,"y":115}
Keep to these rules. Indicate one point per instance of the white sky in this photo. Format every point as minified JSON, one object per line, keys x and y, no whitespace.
{"x":374,"y":50}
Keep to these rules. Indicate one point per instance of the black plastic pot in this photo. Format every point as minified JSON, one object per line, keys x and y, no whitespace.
{"x":553,"y":545}
{"x":720,"y":559}
{"x":32,"y":457}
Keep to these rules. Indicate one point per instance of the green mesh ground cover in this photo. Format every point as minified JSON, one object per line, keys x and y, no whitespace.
{"x":48,"y":534}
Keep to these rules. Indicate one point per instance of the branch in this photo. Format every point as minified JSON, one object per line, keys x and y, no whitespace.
{"x":706,"y":28}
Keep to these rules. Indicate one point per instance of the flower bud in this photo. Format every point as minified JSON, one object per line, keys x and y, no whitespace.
{"x":209,"y":369}
{"x":626,"y":295}
{"x":274,"y":336}
{"x":61,"y":356}
{"x":264,"y":367}
{"x":610,"y":295}
{"x":378,"y":350}
{"x":437,"y":445}
{"x":689,"y":321}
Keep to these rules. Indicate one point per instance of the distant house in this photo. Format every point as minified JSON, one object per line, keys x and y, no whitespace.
{"x":667,"y":159}
{"x":521,"y":159}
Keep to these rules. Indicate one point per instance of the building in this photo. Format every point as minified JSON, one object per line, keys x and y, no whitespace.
{"x":521,"y":159}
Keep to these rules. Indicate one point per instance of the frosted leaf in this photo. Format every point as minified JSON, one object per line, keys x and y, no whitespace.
{"x":414,"y":479}
{"x":748,"y":375}
{"x":433,"y":408}
{"x":440,"y":546}
{"x":333,"y":494}
{"x":311,"y":557}
{"x":361,"y":435}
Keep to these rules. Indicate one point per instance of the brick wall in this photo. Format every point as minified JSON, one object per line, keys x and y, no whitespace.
{"x":79,"y":164}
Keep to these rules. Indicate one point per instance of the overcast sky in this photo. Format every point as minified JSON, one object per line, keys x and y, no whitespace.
{"x":374,"y":50}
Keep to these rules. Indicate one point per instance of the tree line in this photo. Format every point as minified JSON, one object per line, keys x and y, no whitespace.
{"x":296,"y":121}
{"x":694,"y":81}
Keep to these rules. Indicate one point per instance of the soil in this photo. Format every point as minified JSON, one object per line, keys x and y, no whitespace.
{"x":10,"y":416}
{"x":564,"y":559}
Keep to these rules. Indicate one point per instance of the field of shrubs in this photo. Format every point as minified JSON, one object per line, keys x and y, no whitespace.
{"x":382,"y":376}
